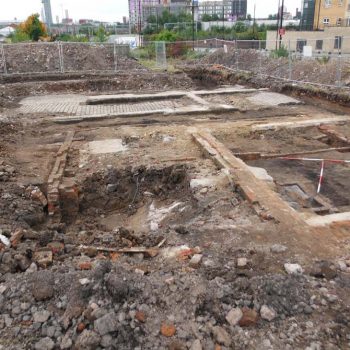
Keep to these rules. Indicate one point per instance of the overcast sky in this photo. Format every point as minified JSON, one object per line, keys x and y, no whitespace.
{"x":110,"y":10}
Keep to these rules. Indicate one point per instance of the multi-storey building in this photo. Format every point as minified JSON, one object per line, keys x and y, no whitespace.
{"x":156,"y":7}
{"x":320,"y":14}
{"x":308,"y":15}
{"x":47,"y":12}
{"x":141,"y":10}
{"x":330,"y":13}
{"x":226,"y":9}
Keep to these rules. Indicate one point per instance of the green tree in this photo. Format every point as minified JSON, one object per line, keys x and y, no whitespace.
{"x":167,"y":35}
{"x":240,"y":27}
{"x":206,"y":18}
{"x":33,"y":27}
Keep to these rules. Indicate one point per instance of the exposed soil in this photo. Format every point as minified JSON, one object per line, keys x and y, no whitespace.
{"x":16,"y":87}
{"x":331,"y":98}
{"x":45,"y":57}
{"x":302,"y":70}
{"x":164,"y":252}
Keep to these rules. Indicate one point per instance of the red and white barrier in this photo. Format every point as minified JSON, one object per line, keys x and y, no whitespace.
{"x":340,"y":161}
{"x":323,"y":162}
{"x":321,"y":178}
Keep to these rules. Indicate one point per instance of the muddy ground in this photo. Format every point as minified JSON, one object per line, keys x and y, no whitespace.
{"x":164,"y":252}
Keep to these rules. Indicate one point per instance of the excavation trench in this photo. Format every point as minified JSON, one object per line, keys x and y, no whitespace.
{"x":140,"y":198}
{"x":287,"y":156}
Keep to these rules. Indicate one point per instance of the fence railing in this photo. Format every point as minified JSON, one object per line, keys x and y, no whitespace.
{"x":325,"y":62}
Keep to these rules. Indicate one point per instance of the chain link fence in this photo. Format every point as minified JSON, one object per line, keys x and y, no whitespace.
{"x":325,"y":62}
{"x":64,"y":57}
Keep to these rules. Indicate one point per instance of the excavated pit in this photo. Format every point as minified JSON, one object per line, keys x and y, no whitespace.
{"x":297,"y":180}
{"x":138,"y":198}
{"x":128,"y":248}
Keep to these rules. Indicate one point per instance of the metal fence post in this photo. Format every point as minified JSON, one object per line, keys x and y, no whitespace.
{"x":161,"y":59}
{"x":260,"y":65}
{"x":115,"y":58}
{"x":3,"y":58}
{"x":339,"y":63}
{"x":290,"y":61}
{"x":60,"y":55}
{"x":237,"y":54}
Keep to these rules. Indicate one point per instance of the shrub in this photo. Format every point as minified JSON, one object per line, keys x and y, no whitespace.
{"x":281,"y":52}
{"x":324,"y":59}
{"x":19,"y":36}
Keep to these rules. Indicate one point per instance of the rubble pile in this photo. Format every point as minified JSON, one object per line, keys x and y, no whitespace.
{"x":82,"y":286}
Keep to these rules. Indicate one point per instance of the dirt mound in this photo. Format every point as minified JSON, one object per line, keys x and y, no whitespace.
{"x":262,"y":63}
{"x":45,"y":57}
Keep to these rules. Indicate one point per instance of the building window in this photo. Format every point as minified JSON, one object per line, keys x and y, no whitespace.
{"x":326,"y":21}
{"x":338,"y":42}
{"x":300,"y":45}
{"x":327,"y":3}
{"x":319,"y":45}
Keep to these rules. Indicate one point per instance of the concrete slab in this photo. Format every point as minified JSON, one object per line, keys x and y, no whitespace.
{"x":74,"y":106}
{"x":187,"y":110}
{"x":301,"y":123}
{"x":318,"y":221}
{"x":227,"y":90}
{"x":264,"y":98}
{"x":104,"y":99}
{"x":261,"y":173}
{"x":107,"y":146}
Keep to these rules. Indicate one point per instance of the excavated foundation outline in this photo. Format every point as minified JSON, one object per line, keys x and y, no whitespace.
{"x":266,"y":202}
{"x":201,"y":106}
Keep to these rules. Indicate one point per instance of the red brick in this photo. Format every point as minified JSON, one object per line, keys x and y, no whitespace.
{"x":85,"y":265}
{"x":168,"y":330}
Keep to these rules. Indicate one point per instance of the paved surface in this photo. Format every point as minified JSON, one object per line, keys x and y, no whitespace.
{"x":73,"y":105}
{"x":328,"y":219}
{"x":76,"y":105}
{"x":301,"y":123}
{"x":272,"y":99}
{"x":107,"y":146}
